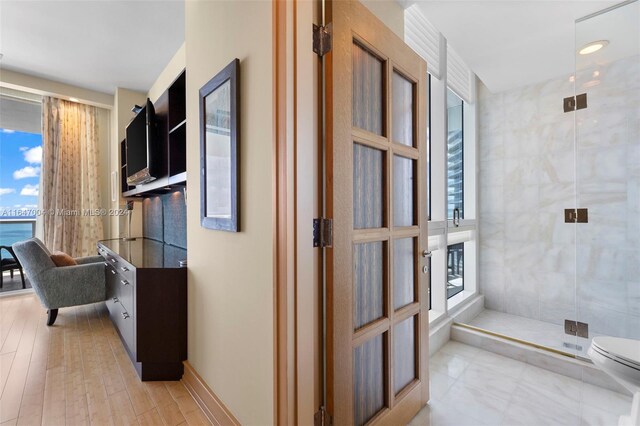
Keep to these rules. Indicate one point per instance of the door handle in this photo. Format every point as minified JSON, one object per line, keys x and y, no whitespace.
{"x":426,"y":253}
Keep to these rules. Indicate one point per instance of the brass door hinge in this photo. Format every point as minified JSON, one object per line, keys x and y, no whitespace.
{"x":322,"y":418}
{"x":322,"y":232}
{"x":321,"y":39}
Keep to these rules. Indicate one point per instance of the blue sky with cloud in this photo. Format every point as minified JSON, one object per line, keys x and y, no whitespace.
{"x":20,"y":162}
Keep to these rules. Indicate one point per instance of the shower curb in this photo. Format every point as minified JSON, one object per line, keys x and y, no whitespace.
{"x":565,"y":365}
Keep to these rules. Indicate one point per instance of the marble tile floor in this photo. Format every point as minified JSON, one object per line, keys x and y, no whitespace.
{"x":473,"y":387}
{"x":531,"y":330}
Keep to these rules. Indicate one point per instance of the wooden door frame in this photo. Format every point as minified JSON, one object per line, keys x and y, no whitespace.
{"x":295,"y":201}
{"x":284,"y":409}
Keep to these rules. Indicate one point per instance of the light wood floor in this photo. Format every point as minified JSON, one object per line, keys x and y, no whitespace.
{"x":77,"y":372}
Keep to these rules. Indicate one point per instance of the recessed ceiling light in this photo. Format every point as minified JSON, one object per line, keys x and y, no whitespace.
{"x":592,"y":47}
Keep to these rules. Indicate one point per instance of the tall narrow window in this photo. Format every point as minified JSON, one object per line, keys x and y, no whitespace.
{"x":455,"y":269}
{"x":430,"y":278}
{"x":455,"y":155}
{"x":20,"y":158}
{"x":429,"y":150}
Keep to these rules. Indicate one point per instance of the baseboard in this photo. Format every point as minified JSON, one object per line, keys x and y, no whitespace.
{"x":212,"y":406}
{"x":20,"y":292}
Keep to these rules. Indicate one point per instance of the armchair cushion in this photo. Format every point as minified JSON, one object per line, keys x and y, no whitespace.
{"x":63,"y":259}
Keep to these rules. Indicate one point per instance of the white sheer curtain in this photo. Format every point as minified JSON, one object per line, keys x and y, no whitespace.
{"x":70,"y":183}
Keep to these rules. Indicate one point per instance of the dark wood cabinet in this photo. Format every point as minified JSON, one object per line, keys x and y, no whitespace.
{"x":147,"y":302}
{"x":171,"y":119}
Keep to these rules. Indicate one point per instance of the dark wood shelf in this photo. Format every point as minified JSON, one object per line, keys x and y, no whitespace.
{"x":178,"y":126}
{"x":159,"y":186}
{"x":177,"y":101}
{"x":178,"y":151}
{"x":179,"y":179}
{"x":172,"y":127}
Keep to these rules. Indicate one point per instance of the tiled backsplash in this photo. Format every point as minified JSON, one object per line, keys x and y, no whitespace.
{"x":165,"y":219}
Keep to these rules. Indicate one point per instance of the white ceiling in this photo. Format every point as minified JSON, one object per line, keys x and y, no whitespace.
{"x":512,"y":43}
{"x":97,"y":45}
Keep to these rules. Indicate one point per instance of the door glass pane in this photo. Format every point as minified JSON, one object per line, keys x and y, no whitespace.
{"x":455,"y":269}
{"x":455,"y":151}
{"x":368,"y":283}
{"x":402,"y":110}
{"x":403,"y":191}
{"x":368,"y":379}
{"x":403,"y":272}
{"x":608,"y":175}
{"x":404,"y":353}
{"x":367,"y":105}
{"x":368,"y":176}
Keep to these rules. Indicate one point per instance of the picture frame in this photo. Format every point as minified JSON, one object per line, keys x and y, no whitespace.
{"x":220,"y":150}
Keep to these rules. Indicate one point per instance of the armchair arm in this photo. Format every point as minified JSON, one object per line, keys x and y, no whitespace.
{"x":72,"y":285}
{"x":89,"y":259}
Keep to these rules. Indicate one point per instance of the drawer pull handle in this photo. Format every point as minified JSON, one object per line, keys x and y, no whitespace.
{"x":105,"y":264}
{"x":115,"y":300}
{"x":125,"y":315}
{"x":124,"y":269}
{"x":124,"y":282}
{"x":112,"y":271}
{"x":113,"y":260}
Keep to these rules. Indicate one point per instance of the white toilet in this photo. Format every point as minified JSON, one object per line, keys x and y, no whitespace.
{"x":620,"y":359}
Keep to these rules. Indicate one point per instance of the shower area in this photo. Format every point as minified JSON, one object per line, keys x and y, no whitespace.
{"x":559,"y":196}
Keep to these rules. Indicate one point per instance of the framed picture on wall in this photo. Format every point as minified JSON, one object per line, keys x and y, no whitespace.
{"x":220,"y":150}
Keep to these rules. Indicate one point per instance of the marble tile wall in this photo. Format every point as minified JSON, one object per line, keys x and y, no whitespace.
{"x":530,"y":171}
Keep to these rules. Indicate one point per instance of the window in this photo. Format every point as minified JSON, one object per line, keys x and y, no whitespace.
{"x":20,"y":158}
{"x":455,"y":269}
{"x":455,"y":156}
{"x":450,"y":169}
{"x":429,"y":150}
{"x":430,"y":276}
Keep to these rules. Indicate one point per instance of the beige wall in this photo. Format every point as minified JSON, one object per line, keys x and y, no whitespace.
{"x":166,"y":77}
{"x":388,"y":11}
{"x":121,"y":114}
{"x":231,"y":295}
{"x":41,"y":86}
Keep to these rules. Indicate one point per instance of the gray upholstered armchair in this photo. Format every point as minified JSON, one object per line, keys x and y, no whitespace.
{"x":59,"y":287}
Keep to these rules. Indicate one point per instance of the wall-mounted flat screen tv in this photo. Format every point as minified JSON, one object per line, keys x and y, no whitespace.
{"x":142,"y":147}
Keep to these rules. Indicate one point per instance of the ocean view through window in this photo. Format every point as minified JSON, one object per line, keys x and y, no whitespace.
{"x":20,"y":161}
